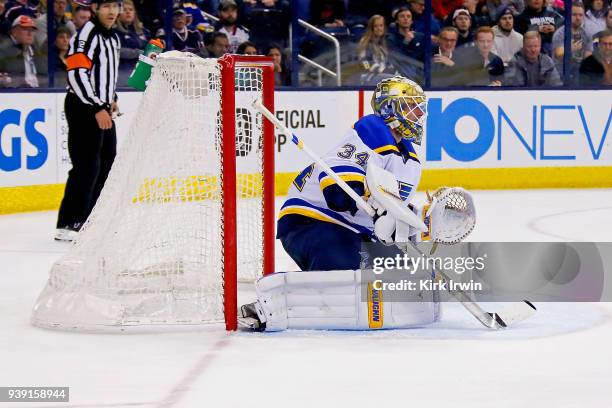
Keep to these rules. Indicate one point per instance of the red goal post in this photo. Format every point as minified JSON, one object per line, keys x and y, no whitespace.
{"x":230,"y":64}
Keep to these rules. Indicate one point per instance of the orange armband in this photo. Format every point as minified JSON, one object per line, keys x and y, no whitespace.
{"x":78,"y":60}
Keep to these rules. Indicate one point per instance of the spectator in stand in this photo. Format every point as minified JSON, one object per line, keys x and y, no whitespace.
{"x":539,"y":18}
{"x":60,"y":48}
{"x":133,"y":37}
{"x":267,"y":20}
{"x":373,"y":52}
{"x":507,"y":41}
{"x":444,"y":71}
{"x":16,"y":8}
{"x":327,"y":13}
{"x":74,"y":4}
{"x":184,"y":39}
{"x":282,"y":74}
{"x":493,"y":6}
{"x":417,"y":8}
{"x":531,"y":67}
{"x":228,"y":17}
{"x":478,"y":17}
{"x":582,"y":44}
{"x":597,"y":68}
{"x":595,"y":19}
{"x":462,"y":21}
{"x":597,"y":36}
{"x":217,"y":44}
{"x":59,"y":12}
{"x":81,"y":16}
{"x":60,"y":20}
{"x":19,"y":63}
{"x":403,"y":39}
{"x":247,"y":48}
{"x":479,"y":66}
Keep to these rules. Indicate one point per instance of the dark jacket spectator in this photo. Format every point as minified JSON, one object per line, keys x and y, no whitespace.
{"x":282,"y":74}
{"x":403,"y":39}
{"x":184,"y":39}
{"x":536,"y":17}
{"x":530,"y":67}
{"x":16,"y":8}
{"x":268,"y":21}
{"x":60,"y":18}
{"x":60,"y":49}
{"x":493,"y":6}
{"x":444,"y":67}
{"x":327,"y":13}
{"x":417,"y":7}
{"x":478,"y":17}
{"x":462,"y":21}
{"x":479,"y":66}
{"x":18,"y":60}
{"x":597,"y":68}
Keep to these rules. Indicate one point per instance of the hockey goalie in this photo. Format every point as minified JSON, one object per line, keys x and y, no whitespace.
{"x":323,"y":229}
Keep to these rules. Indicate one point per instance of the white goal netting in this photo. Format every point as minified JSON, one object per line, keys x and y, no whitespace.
{"x":151,"y":252}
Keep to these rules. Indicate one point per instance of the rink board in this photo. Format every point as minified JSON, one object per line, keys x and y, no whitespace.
{"x":477,"y":139}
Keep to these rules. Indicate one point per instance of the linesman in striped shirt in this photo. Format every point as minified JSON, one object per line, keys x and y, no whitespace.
{"x":92,"y":66}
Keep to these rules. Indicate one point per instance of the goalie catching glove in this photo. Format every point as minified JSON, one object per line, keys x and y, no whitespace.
{"x":448,"y":217}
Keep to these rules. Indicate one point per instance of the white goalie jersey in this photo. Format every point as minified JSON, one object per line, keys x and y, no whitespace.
{"x":315,"y":195}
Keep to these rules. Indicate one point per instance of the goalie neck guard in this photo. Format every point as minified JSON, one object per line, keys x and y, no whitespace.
{"x":403,"y":106}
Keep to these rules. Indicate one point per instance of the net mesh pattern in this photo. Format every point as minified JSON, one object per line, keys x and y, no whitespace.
{"x":249,"y":164}
{"x":151,"y":251}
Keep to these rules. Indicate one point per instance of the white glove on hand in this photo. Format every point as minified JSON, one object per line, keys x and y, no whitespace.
{"x":384,"y":223}
{"x":384,"y":228}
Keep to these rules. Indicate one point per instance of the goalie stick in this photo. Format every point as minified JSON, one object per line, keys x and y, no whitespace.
{"x":498,"y":320}
{"x":511,"y":315}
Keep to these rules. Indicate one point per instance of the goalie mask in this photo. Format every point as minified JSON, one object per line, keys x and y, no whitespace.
{"x":403,"y":106}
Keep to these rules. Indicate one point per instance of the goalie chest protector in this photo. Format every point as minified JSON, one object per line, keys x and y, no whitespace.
{"x":369,"y":139}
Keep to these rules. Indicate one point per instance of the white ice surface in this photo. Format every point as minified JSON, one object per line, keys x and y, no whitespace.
{"x":559,"y":358}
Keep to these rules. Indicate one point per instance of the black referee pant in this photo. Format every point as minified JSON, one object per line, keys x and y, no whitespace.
{"x":92,"y":152}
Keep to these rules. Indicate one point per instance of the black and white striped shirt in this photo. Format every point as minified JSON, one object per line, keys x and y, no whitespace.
{"x":93,"y":64}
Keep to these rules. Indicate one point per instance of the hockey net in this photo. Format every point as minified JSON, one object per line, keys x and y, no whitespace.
{"x":187,"y":208}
